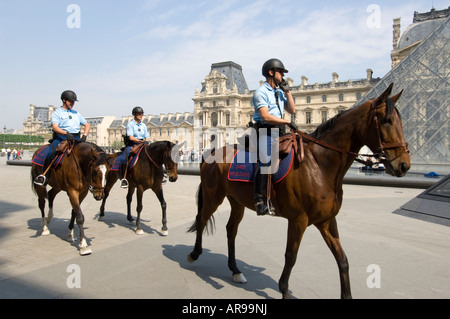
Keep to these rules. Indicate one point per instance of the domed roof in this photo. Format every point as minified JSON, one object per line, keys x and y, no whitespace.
{"x":418,"y":31}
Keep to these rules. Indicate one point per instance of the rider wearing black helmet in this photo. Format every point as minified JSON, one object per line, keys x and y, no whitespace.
{"x":137,"y":132}
{"x":269,"y":100}
{"x":66,"y":124}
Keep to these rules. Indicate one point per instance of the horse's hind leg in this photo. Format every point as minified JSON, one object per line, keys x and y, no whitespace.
{"x":41,"y":193}
{"x":51,"y":197}
{"x":130,"y":193}
{"x":205,"y":210}
{"x":330,"y":234}
{"x":236,"y":215}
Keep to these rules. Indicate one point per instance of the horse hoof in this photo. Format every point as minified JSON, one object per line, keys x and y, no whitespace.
{"x":190,"y":259}
{"x":139,"y":232}
{"x":85,"y":251}
{"x":100,"y":218}
{"x":239,"y":278}
{"x":45,"y":232}
{"x":164,"y":232}
{"x":71,"y":239}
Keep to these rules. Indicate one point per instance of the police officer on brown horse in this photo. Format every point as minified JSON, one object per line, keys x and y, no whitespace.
{"x":66,"y":124}
{"x":270,"y":100}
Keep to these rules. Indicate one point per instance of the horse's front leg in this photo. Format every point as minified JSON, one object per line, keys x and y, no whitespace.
{"x":111,"y":180}
{"x":296,"y":229}
{"x":77,"y":214}
{"x":330,"y":234}
{"x":159,"y":193}
{"x":139,"y":207}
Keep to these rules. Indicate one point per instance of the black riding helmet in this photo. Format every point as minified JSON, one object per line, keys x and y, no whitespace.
{"x":272,"y":64}
{"x":137,"y":109}
{"x":69,"y":95}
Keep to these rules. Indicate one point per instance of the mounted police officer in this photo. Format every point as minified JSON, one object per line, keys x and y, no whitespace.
{"x":137,"y":132}
{"x":270,"y":100}
{"x":66,"y":124}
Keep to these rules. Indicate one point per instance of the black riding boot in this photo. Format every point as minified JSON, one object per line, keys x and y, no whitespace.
{"x":260,"y":188}
{"x":123,"y":181}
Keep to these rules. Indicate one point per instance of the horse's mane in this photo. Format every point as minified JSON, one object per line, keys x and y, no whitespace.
{"x":102,"y":156}
{"x":325,"y":126}
{"x":328,"y":125}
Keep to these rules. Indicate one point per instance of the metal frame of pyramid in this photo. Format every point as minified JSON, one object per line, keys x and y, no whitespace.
{"x":424,"y":75}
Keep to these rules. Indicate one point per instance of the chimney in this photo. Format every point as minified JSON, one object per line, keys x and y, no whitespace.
{"x":396,"y":32}
{"x":304,"y":80}
{"x":369,"y":75}
{"x":335,"y":77}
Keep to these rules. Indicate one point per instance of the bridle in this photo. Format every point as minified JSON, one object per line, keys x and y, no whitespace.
{"x":92,"y":187}
{"x":380,"y":155}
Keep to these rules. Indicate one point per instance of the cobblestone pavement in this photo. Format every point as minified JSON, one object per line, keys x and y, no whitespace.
{"x":391,"y":256}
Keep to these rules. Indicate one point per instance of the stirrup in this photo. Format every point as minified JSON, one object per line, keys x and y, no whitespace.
{"x":262,"y":209}
{"x":40,"y":180}
{"x":124,"y":183}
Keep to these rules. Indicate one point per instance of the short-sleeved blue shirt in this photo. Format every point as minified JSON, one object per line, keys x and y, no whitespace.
{"x":265,"y":96}
{"x":68,"y":120}
{"x":138,"y":130}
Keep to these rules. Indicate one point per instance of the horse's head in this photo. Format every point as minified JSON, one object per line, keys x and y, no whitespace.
{"x":98,"y":171}
{"x":385,"y":134}
{"x":171,"y":157}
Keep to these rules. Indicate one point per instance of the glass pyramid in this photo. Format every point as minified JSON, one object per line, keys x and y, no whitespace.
{"x":424,"y":75}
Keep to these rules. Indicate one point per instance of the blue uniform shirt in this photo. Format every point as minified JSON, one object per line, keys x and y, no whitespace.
{"x":68,"y":120}
{"x":265,"y":96}
{"x":139,"y":131}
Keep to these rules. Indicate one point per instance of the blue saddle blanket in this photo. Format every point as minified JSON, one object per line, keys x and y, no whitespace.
{"x":123,"y":158}
{"x":242,"y":169}
{"x":40,"y":157}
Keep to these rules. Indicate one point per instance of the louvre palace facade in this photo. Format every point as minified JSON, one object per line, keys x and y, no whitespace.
{"x":222,"y":107}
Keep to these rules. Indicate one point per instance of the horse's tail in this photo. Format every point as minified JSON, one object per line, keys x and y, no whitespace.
{"x":196,"y":225}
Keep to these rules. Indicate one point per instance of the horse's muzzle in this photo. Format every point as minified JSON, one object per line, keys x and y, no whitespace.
{"x":173,"y":178}
{"x":98,"y":193}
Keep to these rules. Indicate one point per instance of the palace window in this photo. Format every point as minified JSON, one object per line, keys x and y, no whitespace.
{"x":324,"y":114}
{"x":308,"y":117}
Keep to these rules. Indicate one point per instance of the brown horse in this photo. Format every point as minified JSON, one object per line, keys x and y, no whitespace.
{"x":83,"y":170}
{"x":311,"y":193}
{"x":147,"y":173}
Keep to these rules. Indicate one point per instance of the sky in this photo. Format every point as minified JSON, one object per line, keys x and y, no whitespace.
{"x":155,"y":53}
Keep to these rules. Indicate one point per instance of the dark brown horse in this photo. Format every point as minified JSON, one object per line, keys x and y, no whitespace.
{"x":81,"y":171}
{"x":311,"y":194}
{"x":147,"y":173}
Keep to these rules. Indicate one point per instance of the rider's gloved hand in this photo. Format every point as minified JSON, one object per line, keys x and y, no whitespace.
{"x":70,"y":137}
{"x":293,"y":126}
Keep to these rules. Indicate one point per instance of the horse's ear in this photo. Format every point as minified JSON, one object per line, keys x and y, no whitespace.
{"x":384,"y":95}
{"x":396,"y":97}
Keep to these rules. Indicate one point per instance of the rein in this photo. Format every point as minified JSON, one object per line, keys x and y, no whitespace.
{"x":381,"y":150}
{"x":149,"y":157}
